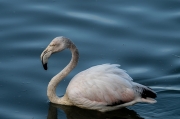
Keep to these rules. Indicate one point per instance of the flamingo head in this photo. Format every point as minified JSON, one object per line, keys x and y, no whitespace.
{"x":57,"y":44}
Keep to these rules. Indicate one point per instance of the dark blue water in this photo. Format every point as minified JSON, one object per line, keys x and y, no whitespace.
{"x":142,"y":36}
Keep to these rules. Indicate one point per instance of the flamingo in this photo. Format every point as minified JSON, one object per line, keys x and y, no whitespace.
{"x":103,"y":87}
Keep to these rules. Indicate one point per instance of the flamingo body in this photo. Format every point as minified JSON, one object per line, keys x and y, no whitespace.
{"x":103,"y":87}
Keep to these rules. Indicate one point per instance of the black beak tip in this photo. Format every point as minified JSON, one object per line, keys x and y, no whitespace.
{"x":45,"y":66}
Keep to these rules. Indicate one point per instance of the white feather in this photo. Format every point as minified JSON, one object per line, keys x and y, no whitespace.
{"x":101,"y":85}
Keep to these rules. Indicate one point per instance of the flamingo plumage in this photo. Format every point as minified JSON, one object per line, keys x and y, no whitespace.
{"x":103,"y":87}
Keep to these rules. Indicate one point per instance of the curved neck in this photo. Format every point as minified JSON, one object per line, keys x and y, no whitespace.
{"x":51,"y":91}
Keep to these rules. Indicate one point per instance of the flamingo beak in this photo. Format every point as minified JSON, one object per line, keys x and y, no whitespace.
{"x":45,"y":66}
{"x":44,"y":58}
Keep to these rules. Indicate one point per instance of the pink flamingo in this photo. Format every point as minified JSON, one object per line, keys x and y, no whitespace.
{"x":103,"y":87}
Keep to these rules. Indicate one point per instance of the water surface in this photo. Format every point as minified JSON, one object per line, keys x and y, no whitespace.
{"x":141,"y":36}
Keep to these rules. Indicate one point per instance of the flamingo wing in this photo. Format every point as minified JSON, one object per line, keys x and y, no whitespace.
{"x":101,"y":85}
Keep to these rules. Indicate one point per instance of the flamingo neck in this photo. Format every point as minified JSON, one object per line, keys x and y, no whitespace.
{"x":51,"y":91}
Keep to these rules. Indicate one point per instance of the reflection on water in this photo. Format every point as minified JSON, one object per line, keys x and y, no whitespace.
{"x":78,"y":113}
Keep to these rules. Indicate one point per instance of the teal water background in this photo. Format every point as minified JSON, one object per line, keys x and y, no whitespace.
{"x":142,"y":36}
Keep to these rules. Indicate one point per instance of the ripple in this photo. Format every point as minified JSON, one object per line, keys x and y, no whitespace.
{"x":92,"y":17}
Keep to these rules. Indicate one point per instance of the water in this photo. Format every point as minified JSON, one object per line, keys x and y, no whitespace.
{"x":141,"y":36}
